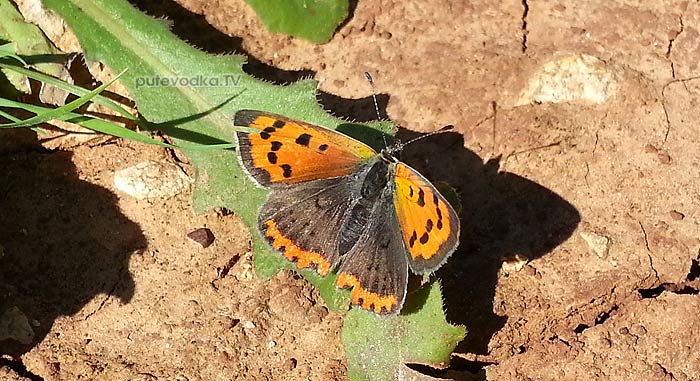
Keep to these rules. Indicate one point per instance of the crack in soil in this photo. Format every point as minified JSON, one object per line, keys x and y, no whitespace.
{"x":588,"y":169}
{"x":666,"y":372}
{"x":670,"y":45}
{"x":523,"y":27}
{"x":600,"y":319}
{"x":109,"y":294}
{"x":649,"y":252}
{"x":663,"y":101}
{"x":691,"y":285}
{"x":682,"y":288}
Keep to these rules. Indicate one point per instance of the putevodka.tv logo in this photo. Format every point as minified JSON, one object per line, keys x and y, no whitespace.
{"x":225,"y":80}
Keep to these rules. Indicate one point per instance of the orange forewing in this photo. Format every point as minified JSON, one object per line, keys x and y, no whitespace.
{"x":291,"y":151}
{"x":429,"y":224}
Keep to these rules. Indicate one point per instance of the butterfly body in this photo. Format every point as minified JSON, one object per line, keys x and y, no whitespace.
{"x":336,"y":204}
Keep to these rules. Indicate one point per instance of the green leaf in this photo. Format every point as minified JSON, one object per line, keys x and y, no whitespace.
{"x":27,"y":39}
{"x":313,"y":20}
{"x":377,"y":347}
{"x":10,"y":50}
{"x":193,"y":96}
{"x":77,"y":90}
{"x":55,"y":113}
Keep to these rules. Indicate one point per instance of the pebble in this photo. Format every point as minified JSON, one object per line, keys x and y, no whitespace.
{"x":152,"y":179}
{"x":597,"y":243}
{"x":577,"y":77}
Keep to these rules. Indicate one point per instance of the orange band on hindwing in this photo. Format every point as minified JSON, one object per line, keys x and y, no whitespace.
{"x":302,"y":258}
{"x":380,"y":304}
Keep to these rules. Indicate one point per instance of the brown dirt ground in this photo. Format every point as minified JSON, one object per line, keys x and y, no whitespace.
{"x":114,"y":290}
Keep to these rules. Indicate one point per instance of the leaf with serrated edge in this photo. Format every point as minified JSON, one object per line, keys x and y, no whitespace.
{"x":377,"y":347}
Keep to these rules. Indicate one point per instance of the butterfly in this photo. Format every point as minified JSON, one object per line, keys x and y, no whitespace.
{"x":338,"y":205}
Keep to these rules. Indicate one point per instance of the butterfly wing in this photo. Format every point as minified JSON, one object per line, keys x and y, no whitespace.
{"x":429,"y":224}
{"x":376,"y":267}
{"x":285,"y":151}
{"x":301,"y":221}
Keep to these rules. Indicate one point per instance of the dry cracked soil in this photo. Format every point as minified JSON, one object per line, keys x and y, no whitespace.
{"x":575,"y":154}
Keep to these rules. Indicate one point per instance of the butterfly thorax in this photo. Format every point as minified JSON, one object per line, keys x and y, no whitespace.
{"x":374,"y":181}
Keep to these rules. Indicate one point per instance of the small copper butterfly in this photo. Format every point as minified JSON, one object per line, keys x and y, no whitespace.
{"x":337,"y":204}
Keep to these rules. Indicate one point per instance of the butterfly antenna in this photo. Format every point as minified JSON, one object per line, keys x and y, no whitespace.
{"x":374,"y":93}
{"x":376,"y":104}
{"x":447,"y":128}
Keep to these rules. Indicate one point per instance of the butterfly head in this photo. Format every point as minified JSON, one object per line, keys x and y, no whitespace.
{"x":391,"y":153}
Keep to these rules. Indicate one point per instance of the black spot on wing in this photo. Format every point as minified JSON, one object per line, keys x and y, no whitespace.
{"x":278,"y":124}
{"x":270,"y":130}
{"x":287,"y":170}
{"x":275,"y":146}
{"x":264,"y":135}
{"x":303,"y":140}
{"x":429,"y":225}
{"x":412,"y":240}
{"x":272,"y":157}
{"x":421,"y":197}
{"x":424,"y":238}
{"x":323,"y":147}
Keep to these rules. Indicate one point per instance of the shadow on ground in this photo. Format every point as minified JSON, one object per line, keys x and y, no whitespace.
{"x":65,"y":241}
{"x":502,"y":215}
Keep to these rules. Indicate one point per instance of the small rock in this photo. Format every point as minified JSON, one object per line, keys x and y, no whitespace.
{"x":570,"y":78}
{"x":638,"y":330}
{"x":513,"y":263}
{"x":661,"y":154}
{"x":676,"y":215}
{"x":290,"y":363}
{"x":248,"y":324}
{"x":271,"y":344}
{"x":202,"y":236}
{"x":597,"y":243}
{"x":152,"y":179}
{"x":15,"y":325}
{"x":529,"y":270}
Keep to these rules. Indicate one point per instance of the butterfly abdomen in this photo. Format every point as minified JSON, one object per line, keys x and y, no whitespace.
{"x":372,"y":186}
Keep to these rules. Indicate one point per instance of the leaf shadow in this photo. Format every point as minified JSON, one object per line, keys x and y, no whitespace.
{"x":65,"y":240}
{"x":195,"y":29}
